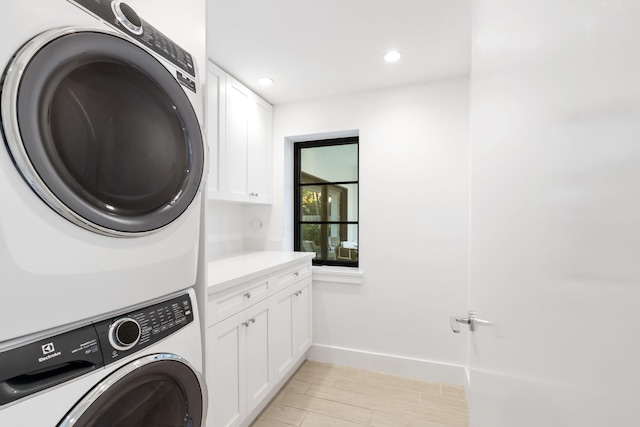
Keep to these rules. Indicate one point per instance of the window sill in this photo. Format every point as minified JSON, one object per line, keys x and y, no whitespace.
{"x":347,"y":275}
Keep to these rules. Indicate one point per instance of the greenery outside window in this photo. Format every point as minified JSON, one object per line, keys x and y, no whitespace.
{"x":326,"y":200}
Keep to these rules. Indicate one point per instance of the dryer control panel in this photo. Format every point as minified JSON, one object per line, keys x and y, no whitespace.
{"x":123,"y":18}
{"x":48,"y":362}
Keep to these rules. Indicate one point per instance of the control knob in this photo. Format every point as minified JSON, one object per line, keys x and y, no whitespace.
{"x":124,"y":333}
{"x":127,"y":17}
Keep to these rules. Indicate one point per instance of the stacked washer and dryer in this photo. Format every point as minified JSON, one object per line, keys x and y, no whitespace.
{"x":100,"y":178}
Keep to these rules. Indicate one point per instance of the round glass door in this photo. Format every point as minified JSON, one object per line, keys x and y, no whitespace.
{"x":157,"y":390}
{"x":102,"y":132}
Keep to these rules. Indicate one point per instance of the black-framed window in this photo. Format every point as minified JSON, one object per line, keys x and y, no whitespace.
{"x":326,"y":200}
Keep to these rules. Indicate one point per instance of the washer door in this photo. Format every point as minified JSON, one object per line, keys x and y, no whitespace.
{"x":102,"y":131}
{"x":157,"y":390}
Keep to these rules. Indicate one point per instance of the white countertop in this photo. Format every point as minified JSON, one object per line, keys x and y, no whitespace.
{"x":227,"y":272}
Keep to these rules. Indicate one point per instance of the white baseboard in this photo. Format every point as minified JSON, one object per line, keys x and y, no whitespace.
{"x":397,"y":365}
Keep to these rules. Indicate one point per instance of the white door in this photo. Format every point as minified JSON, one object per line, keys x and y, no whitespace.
{"x":555,"y":214}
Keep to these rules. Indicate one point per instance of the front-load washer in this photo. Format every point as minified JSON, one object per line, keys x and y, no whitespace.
{"x":102,"y":163}
{"x":141,"y":368}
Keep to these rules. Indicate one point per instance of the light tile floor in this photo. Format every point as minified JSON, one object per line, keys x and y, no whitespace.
{"x":322,"y":395}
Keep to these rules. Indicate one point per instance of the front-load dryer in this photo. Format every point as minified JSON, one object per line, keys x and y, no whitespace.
{"x":139,"y":368}
{"x":102,"y":164}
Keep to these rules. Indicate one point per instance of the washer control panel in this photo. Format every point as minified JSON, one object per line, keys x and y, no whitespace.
{"x":122,"y":17}
{"x":50,"y":361}
{"x":134,"y":331}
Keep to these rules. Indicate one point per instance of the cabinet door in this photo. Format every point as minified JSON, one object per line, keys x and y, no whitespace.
{"x":281,"y":332}
{"x":215,"y":127}
{"x":301,"y":317}
{"x":259,"y":151}
{"x":226,"y":360}
{"x":258,"y":368}
{"x":236,"y":140}
{"x":239,"y":128}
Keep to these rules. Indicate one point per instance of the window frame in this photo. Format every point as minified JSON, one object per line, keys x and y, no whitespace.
{"x":324,"y":222}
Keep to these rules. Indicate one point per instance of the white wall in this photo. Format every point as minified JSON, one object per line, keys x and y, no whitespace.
{"x":413,"y":226}
{"x":555,"y":213}
{"x":234,"y":228}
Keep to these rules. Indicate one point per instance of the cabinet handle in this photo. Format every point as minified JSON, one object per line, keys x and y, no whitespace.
{"x":247,"y":295}
{"x":296,"y":274}
{"x":245,"y":324}
{"x":295,"y":294}
{"x":252,"y":320}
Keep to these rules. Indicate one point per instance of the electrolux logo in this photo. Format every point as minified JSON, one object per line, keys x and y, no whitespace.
{"x":50,"y":351}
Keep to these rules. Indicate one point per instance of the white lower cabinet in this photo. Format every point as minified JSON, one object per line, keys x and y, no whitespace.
{"x":281,"y":325}
{"x":301,"y":317}
{"x":257,"y":346}
{"x":291,"y":325}
{"x":258,"y":361}
{"x":226,"y":361}
{"x":238,"y":365}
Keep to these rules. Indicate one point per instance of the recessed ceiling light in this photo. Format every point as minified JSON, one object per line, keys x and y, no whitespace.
{"x":392,"y":56}
{"x":265,"y":81}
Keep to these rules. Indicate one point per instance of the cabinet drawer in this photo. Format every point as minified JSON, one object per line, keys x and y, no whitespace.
{"x":226,"y":303}
{"x":292,"y":275}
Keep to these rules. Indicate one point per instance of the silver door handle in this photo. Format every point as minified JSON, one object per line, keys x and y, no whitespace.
{"x":454,"y":322}
{"x":472,"y":320}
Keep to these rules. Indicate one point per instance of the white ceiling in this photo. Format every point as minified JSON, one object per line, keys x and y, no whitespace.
{"x":319,"y":48}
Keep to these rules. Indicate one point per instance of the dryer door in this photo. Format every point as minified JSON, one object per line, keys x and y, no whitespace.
{"x":156,"y":390}
{"x":102,"y":131}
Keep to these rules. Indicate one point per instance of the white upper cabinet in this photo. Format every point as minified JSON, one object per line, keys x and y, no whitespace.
{"x":215,"y":126}
{"x":237,"y":140}
{"x":259,"y":150}
{"x":241,"y":160}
